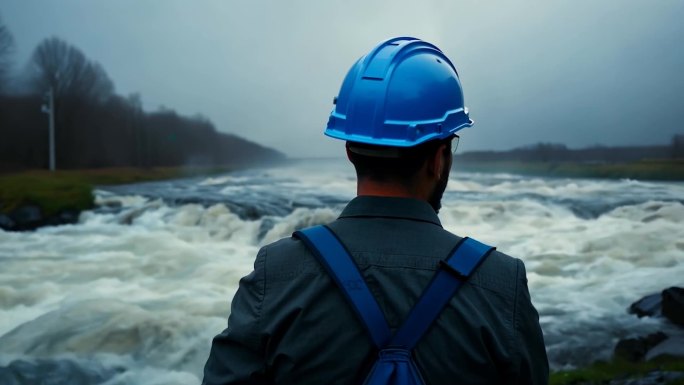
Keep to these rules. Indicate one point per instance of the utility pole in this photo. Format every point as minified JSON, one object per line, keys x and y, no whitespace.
{"x":50,"y":110}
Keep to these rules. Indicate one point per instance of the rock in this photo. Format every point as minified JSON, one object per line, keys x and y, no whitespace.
{"x":635,"y":349}
{"x":673,"y":347}
{"x":112,"y":204}
{"x":30,"y":217}
{"x":27,"y":217}
{"x":130,"y":216}
{"x":630,"y":349}
{"x":673,"y":304}
{"x":69,"y":216}
{"x":648,"y":306}
{"x":62,"y":218}
{"x":6,"y":223}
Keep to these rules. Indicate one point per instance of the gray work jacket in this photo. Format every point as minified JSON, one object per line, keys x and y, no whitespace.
{"x":290,"y":324}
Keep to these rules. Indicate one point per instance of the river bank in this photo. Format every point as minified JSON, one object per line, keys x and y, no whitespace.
{"x":656,"y":358}
{"x":36,"y":198}
{"x":655,"y":170}
{"x":669,"y":371}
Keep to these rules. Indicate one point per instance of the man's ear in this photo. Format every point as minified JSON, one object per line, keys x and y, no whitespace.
{"x":437,"y":162}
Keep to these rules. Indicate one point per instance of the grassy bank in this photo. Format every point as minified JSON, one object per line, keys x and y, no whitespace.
{"x":665,"y":170}
{"x":72,"y":189}
{"x":604,"y":372}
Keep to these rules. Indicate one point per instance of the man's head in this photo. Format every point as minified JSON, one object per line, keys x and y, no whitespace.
{"x":398,"y":109}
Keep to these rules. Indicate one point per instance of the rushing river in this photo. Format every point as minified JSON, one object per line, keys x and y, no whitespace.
{"x":135,"y":291}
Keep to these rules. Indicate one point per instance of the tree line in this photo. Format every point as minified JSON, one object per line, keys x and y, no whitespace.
{"x":94,"y":126}
{"x":553,"y":152}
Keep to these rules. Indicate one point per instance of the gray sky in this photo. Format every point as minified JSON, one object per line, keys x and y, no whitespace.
{"x":578,"y":72}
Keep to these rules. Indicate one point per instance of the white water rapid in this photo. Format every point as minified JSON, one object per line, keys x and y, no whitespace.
{"x":135,"y":291}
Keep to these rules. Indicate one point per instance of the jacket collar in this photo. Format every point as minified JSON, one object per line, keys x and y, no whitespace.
{"x":390,"y":207}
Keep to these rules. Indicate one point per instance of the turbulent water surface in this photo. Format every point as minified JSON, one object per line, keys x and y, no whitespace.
{"x":135,"y":291}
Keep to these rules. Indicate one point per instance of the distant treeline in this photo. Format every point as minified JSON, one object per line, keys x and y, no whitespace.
{"x":95,"y":127}
{"x":116,"y":134}
{"x":551,"y":152}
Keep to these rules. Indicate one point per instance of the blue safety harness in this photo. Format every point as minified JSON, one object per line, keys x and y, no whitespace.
{"x":395,"y":363}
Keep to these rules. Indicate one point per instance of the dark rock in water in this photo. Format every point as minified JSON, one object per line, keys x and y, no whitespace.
{"x":30,"y":217}
{"x":6,"y":222}
{"x":112,"y":204}
{"x":61,"y":371}
{"x":62,"y":218}
{"x":671,"y":347}
{"x":669,"y":303}
{"x":27,"y":217}
{"x":673,"y":304}
{"x":635,"y":349}
{"x":129,"y":217}
{"x":267,"y":224}
{"x":648,"y":306}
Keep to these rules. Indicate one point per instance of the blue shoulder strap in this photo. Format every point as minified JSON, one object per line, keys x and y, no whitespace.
{"x":328,"y":249}
{"x":465,"y":258}
{"x":336,"y":259}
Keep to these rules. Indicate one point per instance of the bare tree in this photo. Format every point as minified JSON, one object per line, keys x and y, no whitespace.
{"x":6,"y":51}
{"x":79,"y":87}
{"x":66,"y":70}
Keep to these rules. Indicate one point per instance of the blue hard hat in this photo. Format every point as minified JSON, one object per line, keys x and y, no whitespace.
{"x":402,"y":93}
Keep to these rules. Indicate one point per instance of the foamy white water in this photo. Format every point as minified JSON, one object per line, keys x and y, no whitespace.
{"x":135,"y":291}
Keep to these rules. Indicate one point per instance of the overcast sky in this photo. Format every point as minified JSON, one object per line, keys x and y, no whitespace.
{"x":577,"y":72}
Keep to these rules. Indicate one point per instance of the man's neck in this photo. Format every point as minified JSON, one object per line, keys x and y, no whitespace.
{"x":388,"y":189}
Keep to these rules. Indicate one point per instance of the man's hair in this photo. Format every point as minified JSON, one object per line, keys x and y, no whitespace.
{"x":395,"y":164}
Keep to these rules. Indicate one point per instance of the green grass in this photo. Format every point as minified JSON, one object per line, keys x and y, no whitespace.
{"x":603,"y":372}
{"x":667,"y":170}
{"x":51,"y":193}
{"x":72,"y":189}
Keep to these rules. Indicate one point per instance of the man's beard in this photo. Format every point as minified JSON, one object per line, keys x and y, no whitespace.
{"x":436,"y":197}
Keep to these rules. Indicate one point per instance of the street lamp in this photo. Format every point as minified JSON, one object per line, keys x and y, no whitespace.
{"x":49,"y":108}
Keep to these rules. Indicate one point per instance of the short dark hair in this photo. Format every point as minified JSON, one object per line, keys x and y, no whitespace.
{"x":383,"y":163}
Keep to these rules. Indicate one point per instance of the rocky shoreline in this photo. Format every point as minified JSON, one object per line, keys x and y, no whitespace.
{"x":668,"y":304}
{"x":30,"y":217}
{"x":656,"y":358}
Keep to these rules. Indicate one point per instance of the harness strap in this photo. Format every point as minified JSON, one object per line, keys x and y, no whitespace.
{"x":324,"y":244}
{"x":465,"y":258}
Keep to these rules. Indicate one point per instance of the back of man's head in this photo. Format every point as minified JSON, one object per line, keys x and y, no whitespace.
{"x":398,"y":165}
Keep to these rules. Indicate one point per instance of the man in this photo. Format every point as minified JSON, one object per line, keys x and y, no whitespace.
{"x":398,"y":109}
